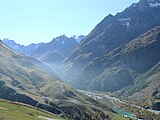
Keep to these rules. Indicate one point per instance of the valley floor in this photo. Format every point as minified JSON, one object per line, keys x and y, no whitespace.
{"x":123,"y":108}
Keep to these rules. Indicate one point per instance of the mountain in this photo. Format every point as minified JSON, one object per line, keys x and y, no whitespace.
{"x":27,"y":50}
{"x":146,"y":90}
{"x":53,"y":52}
{"x":120,"y":67}
{"x":26,"y":80}
{"x":13,"y":45}
{"x":57,"y":49}
{"x":79,"y":38}
{"x":111,"y":33}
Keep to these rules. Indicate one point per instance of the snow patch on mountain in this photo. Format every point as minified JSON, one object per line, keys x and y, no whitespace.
{"x":153,"y":3}
{"x":124,"y":19}
{"x":127,"y":24}
{"x":78,"y":38}
{"x":156,"y":4}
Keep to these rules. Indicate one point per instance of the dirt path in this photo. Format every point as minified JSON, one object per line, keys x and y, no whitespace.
{"x":3,"y":108}
{"x":46,"y":118}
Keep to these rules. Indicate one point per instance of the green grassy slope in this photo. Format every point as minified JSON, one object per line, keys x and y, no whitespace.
{"x":15,"y":111}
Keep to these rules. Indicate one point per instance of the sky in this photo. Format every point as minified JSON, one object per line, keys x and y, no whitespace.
{"x":35,"y":21}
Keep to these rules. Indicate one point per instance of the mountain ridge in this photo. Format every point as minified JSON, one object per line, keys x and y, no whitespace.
{"x":111,"y":33}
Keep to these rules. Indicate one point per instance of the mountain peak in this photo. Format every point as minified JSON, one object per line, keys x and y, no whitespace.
{"x":149,"y":3}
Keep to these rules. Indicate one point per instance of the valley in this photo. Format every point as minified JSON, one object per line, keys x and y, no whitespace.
{"x":119,"y":105}
{"x":112,"y":73}
{"x":27,"y":80}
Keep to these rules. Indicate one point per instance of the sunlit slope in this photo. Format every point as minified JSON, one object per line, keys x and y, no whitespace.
{"x":16,"y":111}
{"x":25,"y":80}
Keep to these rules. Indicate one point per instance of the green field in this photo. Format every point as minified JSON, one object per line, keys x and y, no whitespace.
{"x":12,"y":111}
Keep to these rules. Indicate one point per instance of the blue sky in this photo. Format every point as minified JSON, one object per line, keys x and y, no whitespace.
{"x":34,"y":21}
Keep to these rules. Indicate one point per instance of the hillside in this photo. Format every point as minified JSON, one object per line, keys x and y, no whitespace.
{"x":22,"y":79}
{"x":146,"y":90}
{"x":119,"y":68}
{"x":111,"y":33}
{"x":113,"y":73}
{"x":17,"y":111}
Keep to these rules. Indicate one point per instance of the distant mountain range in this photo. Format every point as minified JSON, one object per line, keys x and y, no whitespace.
{"x":52,"y":53}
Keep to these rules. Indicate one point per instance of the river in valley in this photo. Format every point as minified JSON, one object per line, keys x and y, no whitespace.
{"x":98,"y":96}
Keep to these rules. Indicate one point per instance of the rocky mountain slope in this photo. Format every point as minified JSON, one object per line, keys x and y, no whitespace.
{"x":146,"y":90}
{"x":25,"y":79}
{"x":119,"y":68}
{"x":111,"y":33}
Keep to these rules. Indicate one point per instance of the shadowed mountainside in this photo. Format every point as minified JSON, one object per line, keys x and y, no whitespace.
{"x":119,"y":68}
